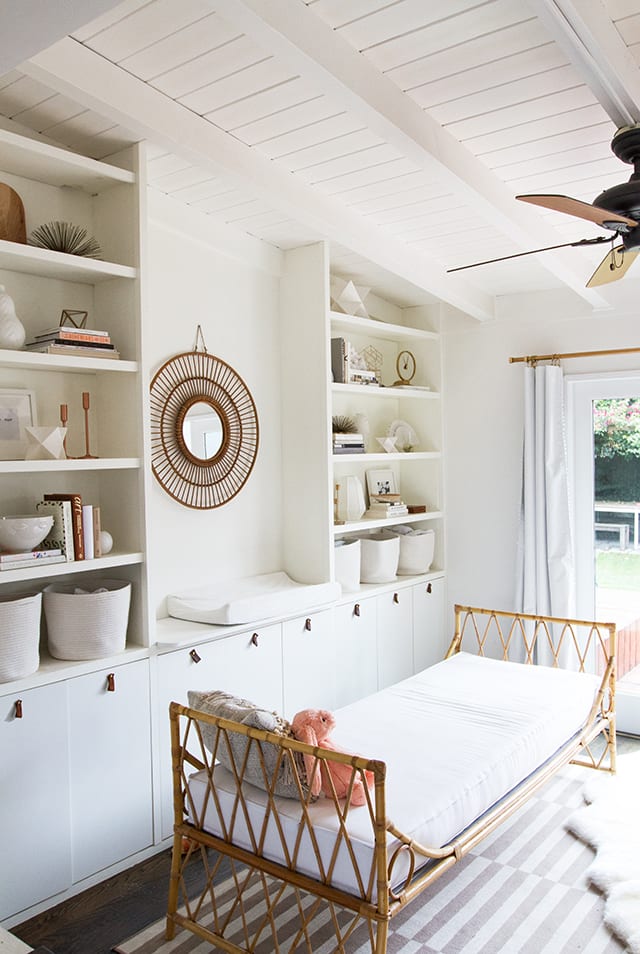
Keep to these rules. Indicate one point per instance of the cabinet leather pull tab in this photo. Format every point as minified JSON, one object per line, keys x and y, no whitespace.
{"x":429,"y":588}
{"x":194,"y":655}
{"x":18,"y":709}
{"x":396,"y":598}
{"x":111,"y":682}
{"x":356,"y":609}
{"x":254,"y":639}
{"x":307,"y":624}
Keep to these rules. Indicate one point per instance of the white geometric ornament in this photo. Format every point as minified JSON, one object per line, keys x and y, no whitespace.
{"x":347,"y":298}
{"x":45,"y":443}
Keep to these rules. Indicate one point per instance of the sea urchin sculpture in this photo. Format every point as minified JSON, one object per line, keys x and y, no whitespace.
{"x":65,"y":237}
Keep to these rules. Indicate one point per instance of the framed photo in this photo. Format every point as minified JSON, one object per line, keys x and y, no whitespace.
{"x":17,"y":411}
{"x":381,"y":482}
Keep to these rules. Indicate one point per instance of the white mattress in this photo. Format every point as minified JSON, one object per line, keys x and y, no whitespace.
{"x":264,"y":597}
{"x":480,"y":726}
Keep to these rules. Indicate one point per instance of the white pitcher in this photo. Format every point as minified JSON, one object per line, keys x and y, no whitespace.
{"x":12,"y":333}
{"x":351,"y":503}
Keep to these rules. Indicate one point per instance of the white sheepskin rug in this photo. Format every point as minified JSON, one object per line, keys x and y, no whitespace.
{"x":610,"y":823}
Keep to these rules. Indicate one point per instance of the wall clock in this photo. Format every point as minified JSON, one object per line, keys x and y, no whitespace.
{"x":406,"y":368}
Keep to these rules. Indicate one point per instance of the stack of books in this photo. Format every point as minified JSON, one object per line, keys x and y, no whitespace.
{"x":76,"y":526}
{"x":348,"y":443}
{"x":386,"y":505}
{"x":32,"y":558}
{"x":82,"y":342}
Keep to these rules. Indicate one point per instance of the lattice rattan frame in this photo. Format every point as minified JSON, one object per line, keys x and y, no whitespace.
{"x":185,"y":380}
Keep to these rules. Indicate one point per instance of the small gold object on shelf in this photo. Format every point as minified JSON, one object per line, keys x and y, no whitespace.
{"x":406,"y":368}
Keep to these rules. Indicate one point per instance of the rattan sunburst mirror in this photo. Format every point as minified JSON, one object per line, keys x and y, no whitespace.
{"x":204,"y":429}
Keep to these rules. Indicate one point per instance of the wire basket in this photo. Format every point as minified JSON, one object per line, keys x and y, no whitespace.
{"x":19,"y":635}
{"x":87,"y":625}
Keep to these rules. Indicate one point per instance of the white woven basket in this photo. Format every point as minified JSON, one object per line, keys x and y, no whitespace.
{"x":87,"y":625}
{"x":19,"y":635}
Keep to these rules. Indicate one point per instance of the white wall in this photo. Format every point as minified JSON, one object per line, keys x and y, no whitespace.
{"x":483,"y":429}
{"x":197,"y":276}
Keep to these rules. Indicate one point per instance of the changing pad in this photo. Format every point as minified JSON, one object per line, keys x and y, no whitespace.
{"x":249,"y":599}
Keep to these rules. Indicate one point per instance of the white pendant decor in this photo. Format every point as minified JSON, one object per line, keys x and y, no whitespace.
{"x":45,"y":443}
{"x":350,"y":504}
{"x":12,"y":332}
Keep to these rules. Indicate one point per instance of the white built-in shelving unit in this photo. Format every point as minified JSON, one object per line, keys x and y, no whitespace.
{"x":105,"y":198}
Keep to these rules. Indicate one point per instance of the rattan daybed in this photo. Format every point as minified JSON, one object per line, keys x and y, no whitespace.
{"x":459,"y":748}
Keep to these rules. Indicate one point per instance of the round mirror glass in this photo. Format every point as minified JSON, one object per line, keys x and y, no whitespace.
{"x":203,"y":430}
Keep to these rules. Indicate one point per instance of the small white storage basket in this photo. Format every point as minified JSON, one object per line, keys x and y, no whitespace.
{"x":347,"y":564}
{"x":416,"y":551}
{"x":379,"y":553}
{"x":19,"y":635}
{"x":87,"y":625}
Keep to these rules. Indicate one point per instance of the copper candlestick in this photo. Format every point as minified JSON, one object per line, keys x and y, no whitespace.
{"x":85,"y":404}
{"x":64,"y":417}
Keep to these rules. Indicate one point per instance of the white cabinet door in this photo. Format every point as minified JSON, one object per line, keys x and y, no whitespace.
{"x":246,"y":664}
{"x":309,"y":661}
{"x":34,"y":820}
{"x":357,"y":664}
{"x":429,"y":639}
{"x":110,"y":766}
{"x":395,"y":636}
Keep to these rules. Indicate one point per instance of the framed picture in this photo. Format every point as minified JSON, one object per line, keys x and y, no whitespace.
{"x":381,"y":482}
{"x":17,"y":411}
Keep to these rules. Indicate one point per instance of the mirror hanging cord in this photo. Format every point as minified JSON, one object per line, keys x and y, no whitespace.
{"x":200,"y":340}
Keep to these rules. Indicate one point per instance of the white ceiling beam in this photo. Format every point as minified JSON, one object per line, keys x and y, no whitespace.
{"x":289,"y":29}
{"x":75,"y":71}
{"x":28,"y":26}
{"x":587,"y":36}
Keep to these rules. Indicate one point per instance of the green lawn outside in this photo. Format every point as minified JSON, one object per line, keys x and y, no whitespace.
{"x":618,"y":569}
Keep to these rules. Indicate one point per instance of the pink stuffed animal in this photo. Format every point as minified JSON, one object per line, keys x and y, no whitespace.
{"x":313,"y":726}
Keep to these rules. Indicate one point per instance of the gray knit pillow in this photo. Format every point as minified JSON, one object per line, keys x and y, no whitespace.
{"x":227,"y":706}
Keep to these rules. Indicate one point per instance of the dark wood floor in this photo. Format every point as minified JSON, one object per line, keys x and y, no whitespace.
{"x":92,"y":922}
{"x":97,"y":919}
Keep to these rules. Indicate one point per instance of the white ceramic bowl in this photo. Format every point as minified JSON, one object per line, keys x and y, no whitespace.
{"x":24,"y":532}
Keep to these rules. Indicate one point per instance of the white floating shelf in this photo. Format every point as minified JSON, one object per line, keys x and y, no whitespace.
{"x":37,"y":361}
{"x":36,"y":160}
{"x":69,"y":268}
{"x":75,"y":566}
{"x":367,"y":390}
{"x":61,"y":466}
{"x":384,"y":458}
{"x":378,"y":329}
{"x":357,"y":526}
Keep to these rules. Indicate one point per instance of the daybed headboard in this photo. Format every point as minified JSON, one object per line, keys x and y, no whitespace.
{"x":582,"y":645}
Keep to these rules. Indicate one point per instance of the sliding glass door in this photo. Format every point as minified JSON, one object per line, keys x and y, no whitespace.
{"x":604,"y":416}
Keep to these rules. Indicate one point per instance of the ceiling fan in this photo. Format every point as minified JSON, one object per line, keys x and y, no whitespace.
{"x":616,"y":209}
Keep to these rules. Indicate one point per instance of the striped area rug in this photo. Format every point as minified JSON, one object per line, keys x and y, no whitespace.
{"x":522,"y":891}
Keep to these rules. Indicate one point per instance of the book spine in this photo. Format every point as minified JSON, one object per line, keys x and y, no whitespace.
{"x":97,"y":527}
{"x":78,"y":336}
{"x":338,"y":359}
{"x":87,"y":531}
{"x":72,"y":342}
{"x":26,"y":564}
{"x":76,"y":514}
{"x":32,"y":555}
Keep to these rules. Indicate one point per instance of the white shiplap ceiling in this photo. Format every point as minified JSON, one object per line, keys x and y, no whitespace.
{"x":400,"y":131}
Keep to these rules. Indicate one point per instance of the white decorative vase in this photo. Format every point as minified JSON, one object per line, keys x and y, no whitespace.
{"x":12,"y":333}
{"x":351,"y":503}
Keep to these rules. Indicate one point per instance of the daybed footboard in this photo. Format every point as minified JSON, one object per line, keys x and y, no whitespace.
{"x":273,"y":865}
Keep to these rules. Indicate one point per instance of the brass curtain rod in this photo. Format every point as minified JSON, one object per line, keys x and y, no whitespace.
{"x":533,"y":358}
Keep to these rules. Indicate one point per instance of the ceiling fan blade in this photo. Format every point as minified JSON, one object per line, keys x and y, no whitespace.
{"x":613,"y":266}
{"x":583,"y":210}
{"x":549,"y":248}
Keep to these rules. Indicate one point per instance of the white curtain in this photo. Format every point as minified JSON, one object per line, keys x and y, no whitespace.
{"x":545,"y":567}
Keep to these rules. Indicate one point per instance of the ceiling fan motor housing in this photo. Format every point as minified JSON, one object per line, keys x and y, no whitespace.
{"x":624,"y":199}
